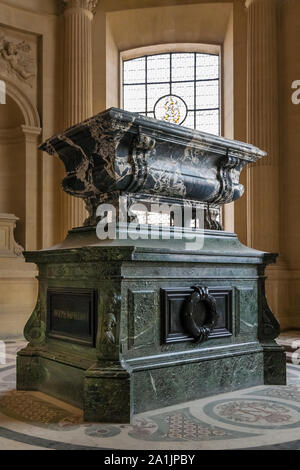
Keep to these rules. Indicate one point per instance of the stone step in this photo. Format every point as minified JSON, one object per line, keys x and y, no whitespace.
{"x":290,"y":340}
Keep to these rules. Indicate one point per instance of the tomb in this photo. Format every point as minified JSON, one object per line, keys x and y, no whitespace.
{"x":133,"y":323}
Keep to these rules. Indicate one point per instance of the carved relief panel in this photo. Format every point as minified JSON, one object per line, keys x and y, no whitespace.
{"x":19,"y":60}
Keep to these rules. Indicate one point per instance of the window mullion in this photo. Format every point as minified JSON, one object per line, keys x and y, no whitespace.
{"x":195,"y":91}
{"x":146,"y":86}
{"x":170,"y":73}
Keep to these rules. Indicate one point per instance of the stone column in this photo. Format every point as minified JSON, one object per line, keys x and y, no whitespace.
{"x":263,"y":188}
{"x":262,"y":125}
{"x":78,"y":95}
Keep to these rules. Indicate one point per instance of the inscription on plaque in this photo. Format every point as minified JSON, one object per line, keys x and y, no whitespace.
{"x":72,"y":315}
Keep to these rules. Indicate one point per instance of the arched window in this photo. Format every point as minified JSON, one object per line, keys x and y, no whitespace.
{"x":179,"y":87}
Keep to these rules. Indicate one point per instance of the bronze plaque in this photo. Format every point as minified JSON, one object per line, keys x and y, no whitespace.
{"x":72,"y":315}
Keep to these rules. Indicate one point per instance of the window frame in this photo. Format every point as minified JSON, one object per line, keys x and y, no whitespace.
{"x":214,"y":49}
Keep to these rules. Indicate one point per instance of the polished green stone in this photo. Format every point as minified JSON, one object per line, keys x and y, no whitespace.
{"x":130,"y":370}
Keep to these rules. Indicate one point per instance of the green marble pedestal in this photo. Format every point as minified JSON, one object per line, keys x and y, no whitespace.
{"x":106,"y":333}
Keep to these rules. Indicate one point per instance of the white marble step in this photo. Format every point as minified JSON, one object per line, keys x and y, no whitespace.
{"x":290,"y":340}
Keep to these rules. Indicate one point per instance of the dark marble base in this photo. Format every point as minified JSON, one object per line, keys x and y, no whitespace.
{"x":108,"y":395}
{"x":132,"y":364}
{"x":113,"y":395}
{"x":274,"y":365}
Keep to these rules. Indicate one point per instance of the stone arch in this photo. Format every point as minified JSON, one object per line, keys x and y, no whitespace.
{"x":29,"y":111}
{"x":30,"y":131}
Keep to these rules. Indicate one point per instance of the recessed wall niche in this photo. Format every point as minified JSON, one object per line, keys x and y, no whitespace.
{"x":12,"y":164}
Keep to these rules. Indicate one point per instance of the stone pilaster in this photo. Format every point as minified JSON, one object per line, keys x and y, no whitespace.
{"x":263,"y":189}
{"x":32,"y":135}
{"x":78,"y":102}
{"x":262,"y":124}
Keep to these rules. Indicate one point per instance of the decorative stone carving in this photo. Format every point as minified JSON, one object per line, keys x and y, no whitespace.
{"x":197,"y":300}
{"x":117,"y":152}
{"x":90,"y":5}
{"x":8,"y":245}
{"x":18,"y":249}
{"x":16,"y":58}
{"x":225,"y":175}
{"x":108,"y":335}
{"x":35,"y":328}
{"x":109,"y":315}
{"x":211,"y":218}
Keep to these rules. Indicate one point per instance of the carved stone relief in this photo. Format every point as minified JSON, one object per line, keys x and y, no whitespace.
{"x":17,"y":58}
{"x":8,"y":245}
{"x":90,"y":5}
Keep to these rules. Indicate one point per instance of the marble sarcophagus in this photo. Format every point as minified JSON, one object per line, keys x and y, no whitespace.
{"x":131,"y":324}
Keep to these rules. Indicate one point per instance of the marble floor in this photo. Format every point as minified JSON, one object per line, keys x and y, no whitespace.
{"x":263,"y":417}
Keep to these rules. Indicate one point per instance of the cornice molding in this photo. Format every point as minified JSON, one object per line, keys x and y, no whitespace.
{"x":89,"y":5}
{"x":31,"y":133}
{"x":249,"y":2}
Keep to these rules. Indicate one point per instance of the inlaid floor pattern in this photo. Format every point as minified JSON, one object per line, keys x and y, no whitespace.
{"x":263,"y":417}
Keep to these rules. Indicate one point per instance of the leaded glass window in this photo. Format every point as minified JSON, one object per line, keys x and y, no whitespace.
{"x":179,"y":87}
